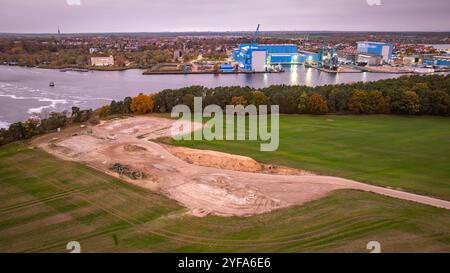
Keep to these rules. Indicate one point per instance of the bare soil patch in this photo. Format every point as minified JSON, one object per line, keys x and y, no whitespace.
{"x":206,"y":182}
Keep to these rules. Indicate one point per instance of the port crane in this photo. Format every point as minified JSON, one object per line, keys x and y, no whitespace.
{"x":328,"y":58}
{"x":255,"y":36}
{"x":253,"y":44}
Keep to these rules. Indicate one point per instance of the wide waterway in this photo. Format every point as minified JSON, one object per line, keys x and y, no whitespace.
{"x":24,"y":91}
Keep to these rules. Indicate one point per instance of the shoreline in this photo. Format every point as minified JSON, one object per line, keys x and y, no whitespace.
{"x":208,"y":72}
{"x":68,"y":67}
{"x":89,"y":68}
{"x":145,"y":72}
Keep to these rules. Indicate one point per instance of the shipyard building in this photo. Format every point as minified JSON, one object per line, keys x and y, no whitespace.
{"x":374,"y":53}
{"x":437,"y":61}
{"x":258,"y":57}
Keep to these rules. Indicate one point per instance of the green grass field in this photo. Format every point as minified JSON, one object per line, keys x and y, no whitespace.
{"x":46,"y":202}
{"x":411,"y":153}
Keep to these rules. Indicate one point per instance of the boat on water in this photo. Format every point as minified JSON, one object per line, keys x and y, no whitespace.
{"x":51,"y":84}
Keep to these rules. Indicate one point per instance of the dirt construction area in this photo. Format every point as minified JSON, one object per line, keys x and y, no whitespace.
{"x":206,"y":182}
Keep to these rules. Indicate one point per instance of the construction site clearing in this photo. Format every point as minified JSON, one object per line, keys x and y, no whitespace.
{"x":205,"y":182}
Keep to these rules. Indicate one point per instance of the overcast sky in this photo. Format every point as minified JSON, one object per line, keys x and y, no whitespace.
{"x":43,"y":16}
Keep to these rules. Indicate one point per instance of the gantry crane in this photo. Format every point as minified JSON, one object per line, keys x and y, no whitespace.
{"x":255,"y":36}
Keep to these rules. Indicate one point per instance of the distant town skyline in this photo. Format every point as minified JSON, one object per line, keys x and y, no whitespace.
{"x":89,"y":16}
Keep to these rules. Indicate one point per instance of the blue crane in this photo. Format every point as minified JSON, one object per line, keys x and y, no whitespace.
{"x":249,"y":60}
{"x":255,"y":36}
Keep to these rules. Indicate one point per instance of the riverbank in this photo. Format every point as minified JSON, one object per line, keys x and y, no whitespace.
{"x":403,"y":70}
{"x":80,"y":67}
{"x":93,"y":68}
{"x":207,"y":72}
{"x":386,"y":69}
{"x":341,"y":70}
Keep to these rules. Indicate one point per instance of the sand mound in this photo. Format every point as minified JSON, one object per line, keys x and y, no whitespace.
{"x":226,"y":161}
{"x":216,"y":159}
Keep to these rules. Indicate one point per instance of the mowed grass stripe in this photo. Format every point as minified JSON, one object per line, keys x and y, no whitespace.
{"x":21,"y":168}
{"x":114,"y":212}
{"x":61,"y":245}
{"x":332,"y":231}
{"x":44,"y":199}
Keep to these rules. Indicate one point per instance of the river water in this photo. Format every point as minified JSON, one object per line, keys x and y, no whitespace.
{"x":24,"y":91}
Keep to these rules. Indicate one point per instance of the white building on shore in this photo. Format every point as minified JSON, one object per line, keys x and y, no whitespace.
{"x":102,"y":61}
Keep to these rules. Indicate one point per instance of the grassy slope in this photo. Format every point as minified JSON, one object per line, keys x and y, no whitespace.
{"x":46,"y":202}
{"x":412,"y":153}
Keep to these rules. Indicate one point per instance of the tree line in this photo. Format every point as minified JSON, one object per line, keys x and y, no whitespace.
{"x":141,"y":104}
{"x":407,"y":95}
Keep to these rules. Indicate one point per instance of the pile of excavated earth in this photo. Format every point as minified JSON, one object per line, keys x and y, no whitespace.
{"x":206,"y":182}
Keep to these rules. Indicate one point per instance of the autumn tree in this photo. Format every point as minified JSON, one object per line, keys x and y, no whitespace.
{"x":104,"y":111}
{"x":239,"y":100}
{"x":409,"y":103}
{"x":32,"y":126}
{"x":377,"y":102}
{"x":358,"y":102}
{"x":259,"y":98}
{"x":317,"y":105}
{"x":420,"y":86}
{"x":142,"y":104}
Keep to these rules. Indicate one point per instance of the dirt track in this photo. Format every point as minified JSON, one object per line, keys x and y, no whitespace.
{"x":244,"y":187}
